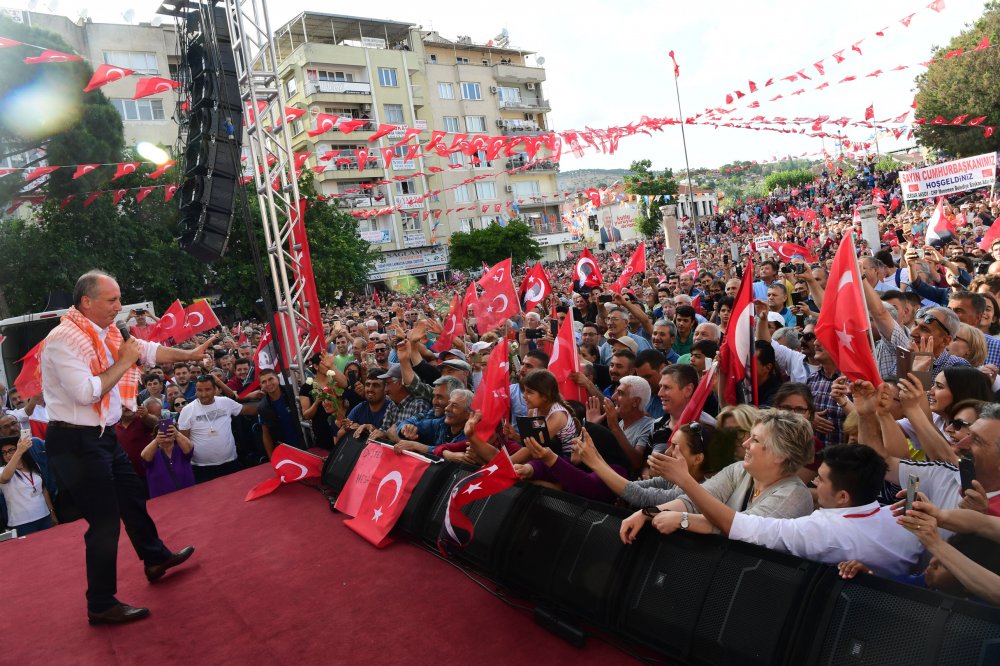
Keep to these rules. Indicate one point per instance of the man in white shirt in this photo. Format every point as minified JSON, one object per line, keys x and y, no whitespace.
{"x":207,"y":423}
{"x":849,"y":525}
{"x":83,"y":365}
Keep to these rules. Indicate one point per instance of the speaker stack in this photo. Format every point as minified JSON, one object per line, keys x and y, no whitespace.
{"x":212,"y":168}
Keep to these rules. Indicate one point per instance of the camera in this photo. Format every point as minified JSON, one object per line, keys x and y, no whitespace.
{"x":799,"y":269}
{"x":533,"y":333}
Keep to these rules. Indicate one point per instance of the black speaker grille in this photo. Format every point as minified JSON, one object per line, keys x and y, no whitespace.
{"x":345,"y":456}
{"x":963,"y":638}
{"x":870,"y":626}
{"x":537,"y":542}
{"x":588,"y":563}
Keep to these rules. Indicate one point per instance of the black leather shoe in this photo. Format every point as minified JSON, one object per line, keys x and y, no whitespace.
{"x":156,"y":571}
{"x":120,"y":614}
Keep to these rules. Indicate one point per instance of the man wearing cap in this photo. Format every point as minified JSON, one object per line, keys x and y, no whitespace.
{"x":442,"y":388}
{"x":404,"y":404}
{"x":453,"y":364}
{"x":368,"y":415}
{"x":424,"y":435}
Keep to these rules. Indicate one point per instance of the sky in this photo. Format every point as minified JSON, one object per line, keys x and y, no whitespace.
{"x":606,"y":62}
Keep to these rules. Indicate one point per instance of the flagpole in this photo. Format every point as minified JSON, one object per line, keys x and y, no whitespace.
{"x":687,"y":166}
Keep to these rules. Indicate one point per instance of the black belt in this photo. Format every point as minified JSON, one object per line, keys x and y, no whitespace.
{"x":63,"y":424}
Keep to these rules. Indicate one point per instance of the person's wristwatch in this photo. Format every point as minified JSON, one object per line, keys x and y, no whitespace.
{"x":684,"y":520}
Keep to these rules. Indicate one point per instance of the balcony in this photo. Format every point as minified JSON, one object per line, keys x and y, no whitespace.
{"x":518,"y":73}
{"x":410,"y":201}
{"x":338,"y":88}
{"x":400,"y":130}
{"x":540,"y":165}
{"x":347,"y":167}
{"x":526,"y":103}
{"x":542,"y":228}
{"x":517,"y":127}
{"x":348,"y":202}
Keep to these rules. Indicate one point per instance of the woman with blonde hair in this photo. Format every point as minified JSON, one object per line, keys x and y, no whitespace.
{"x":969,"y":343}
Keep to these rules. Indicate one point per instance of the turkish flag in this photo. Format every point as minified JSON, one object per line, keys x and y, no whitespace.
{"x":842,"y":327}
{"x":124,"y":168}
{"x":143,"y":193}
{"x":992,"y":233}
{"x":324,"y":123}
{"x":565,"y":360}
{"x":265,"y":341}
{"x":499,"y":300}
{"x":91,"y":198}
{"x":586,"y":273}
{"x":152,"y":85}
{"x":118,"y":195}
{"x":383,"y":129}
{"x":291,"y":113}
{"x":29,"y":380}
{"x":595,"y":196}
{"x":162,"y":169}
{"x":636,"y":264}
{"x":290,"y":465}
{"x":170,"y":325}
{"x":471,"y":296}
{"x":389,"y":489}
{"x":939,"y":229}
{"x":82,"y":169}
{"x":50,"y":55}
{"x":692,"y":268}
{"x":494,"y":477}
{"x":349,"y":499}
{"x":106,"y":74}
{"x":535,"y":287}
{"x":348,"y":126}
{"x":870,"y":112}
{"x":788,"y":251}
{"x":492,"y":397}
{"x":454,"y":326}
{"x":168,"y":192}
{"x":38,"y":172}
{"x":737,"y":351}
{"x":198,"y":317}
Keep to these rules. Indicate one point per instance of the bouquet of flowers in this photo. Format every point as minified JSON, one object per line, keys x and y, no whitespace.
{"x":326,"y":393}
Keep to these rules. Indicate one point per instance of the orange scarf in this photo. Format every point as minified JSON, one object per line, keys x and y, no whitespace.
{"x":80,"y":333}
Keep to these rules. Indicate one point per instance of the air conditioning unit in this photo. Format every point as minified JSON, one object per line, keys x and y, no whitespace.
{"x":493,"y":89}
{"x":500,"y":123}
{"x":529,"y":86}
{"x":509,"y":188}
{"x":366,"y":107}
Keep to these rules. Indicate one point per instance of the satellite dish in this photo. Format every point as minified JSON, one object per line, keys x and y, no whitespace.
{"x":505,"y":34}
{"x":540,"y":61}
{"x":129,"y":15}
{"x":156,"y":22}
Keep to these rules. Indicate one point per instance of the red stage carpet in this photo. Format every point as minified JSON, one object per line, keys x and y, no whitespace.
{"x":276,"y":581}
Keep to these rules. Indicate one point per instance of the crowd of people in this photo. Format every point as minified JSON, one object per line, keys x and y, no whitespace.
{"x":820,"y":467}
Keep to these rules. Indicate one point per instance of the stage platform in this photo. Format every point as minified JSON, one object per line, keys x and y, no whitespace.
{"x":276,"y":581}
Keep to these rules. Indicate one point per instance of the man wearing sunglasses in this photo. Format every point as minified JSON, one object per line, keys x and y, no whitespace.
{"x":933,"y":330}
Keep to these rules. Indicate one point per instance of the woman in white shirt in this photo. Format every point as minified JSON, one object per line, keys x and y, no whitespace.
{"x":29,"y":507}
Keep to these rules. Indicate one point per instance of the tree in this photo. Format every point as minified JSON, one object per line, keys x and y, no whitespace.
{"x":493,"y":244}
{"x":788,"y":179}
{"x":341,"y":259}
{"x":956,"y":86}
{"x":48,"y":117}
{"x":643,"y":182}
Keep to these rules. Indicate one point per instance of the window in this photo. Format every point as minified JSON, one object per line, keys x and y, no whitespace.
{"x":471,"y":91}
{"x":446,"y":91}
{"x":509,"y":94}
{"x":325,"y":75}
{"x":486,"y":190}
{"x":394,"y":114}
{"x":526,"y":188}
{"x":290,"y":87}
{"x":462,"y":61}
{"x":487,"y":220}
{"x":481,"y":162}
{"x":297,"y":127}
{"x":143,"y":62}
{"x":462,"y":194}
{"x":387,"y":77}
{"x":411,"y":221}
{"x":404,"y":187}
{"x":456,"y":157}
{"x":467,"y":224}
{"x":475,"y":123}
{"x":451,"y":124}
{"x":433,"y":58}
{"x":139,"y":109}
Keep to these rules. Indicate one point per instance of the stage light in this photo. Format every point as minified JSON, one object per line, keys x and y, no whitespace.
{"x":152,"y":152}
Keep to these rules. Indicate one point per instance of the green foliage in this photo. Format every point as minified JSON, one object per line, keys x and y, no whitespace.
{"x":341,"y":259}
{"x":787,"y":179}
{"x":54,"y":114}
{"x":643,"y":181}
{"x":887,"y":164}
{"x":493,"y":244}
{"x":969,"y":84}
{"x":648,"y":227}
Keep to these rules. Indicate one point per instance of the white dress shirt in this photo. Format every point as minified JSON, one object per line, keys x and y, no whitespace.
{"x":866,"y":533}
{"x":71,"y":388}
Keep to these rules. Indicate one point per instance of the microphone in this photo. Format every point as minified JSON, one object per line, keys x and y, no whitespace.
{"x":123,"y":329}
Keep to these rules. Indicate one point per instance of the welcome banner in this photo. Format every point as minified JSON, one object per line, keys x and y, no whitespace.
{"x":939,"y":180}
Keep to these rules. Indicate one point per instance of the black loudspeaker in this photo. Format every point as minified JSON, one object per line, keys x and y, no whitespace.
{"x":205,"y":233}
{"x":200,"y":192}
{"x":731,"y":626}
{"x":425,"y":495}
{"x":340,"y":462}
{"x":220,"y":159}
{"x":870,"y":620}
{"x":665,"y":589}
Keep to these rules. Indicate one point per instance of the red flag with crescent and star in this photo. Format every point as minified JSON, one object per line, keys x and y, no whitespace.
{"x":29,"y":380}
{"x":788,"y":251}
{"x":265,"y":341}
{"x":124,"y":168}
{"x":565,"y":360}
{"x":106,"y":74}
{"x":389,"y":489}
{"x":453,"y":327}
{"x":636,"y":264}
{"x":153,"y":85}
{"x":198,"y":317}
{"x":736,"y":355}
{"x":492,"y":397}
{"x":842,"y":327}
{"x":291,"y":465}
{"x":696,"y":404}
{"x":495,"y":476}
{"x":586,"y":273}
{"x":170,"y":325}
{"x":535,"y":287}
{"x":499,"y":300}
